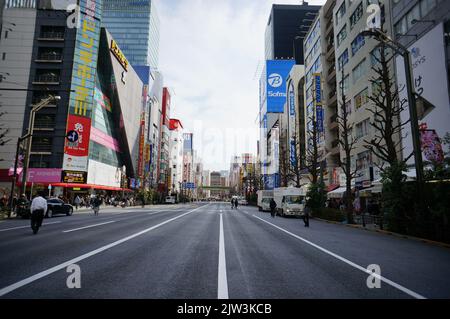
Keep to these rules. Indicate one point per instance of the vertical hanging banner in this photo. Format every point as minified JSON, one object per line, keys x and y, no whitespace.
{"x":292,"y":131}
{"x":76,"y":150}
{"x":141,"y":147}
{"x":318,"y":101}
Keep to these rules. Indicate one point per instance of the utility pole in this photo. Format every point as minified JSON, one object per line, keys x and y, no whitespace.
{"x":29,"y":136}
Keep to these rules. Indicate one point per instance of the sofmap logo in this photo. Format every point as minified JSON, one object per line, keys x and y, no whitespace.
{"x":275,"y":80}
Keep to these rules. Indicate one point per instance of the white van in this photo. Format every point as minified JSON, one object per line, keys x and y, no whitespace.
{"x":264,"y":197}
{"x":290,"y":201}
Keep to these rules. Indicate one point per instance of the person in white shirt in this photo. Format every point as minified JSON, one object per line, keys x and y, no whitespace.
{"x":38,"y":211}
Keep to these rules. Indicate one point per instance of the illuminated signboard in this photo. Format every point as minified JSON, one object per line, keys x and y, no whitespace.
{"x":119,"y":55}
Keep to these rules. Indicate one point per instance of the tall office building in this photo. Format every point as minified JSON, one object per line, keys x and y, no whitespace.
{"x":286,"y":29}
{"x":285,"y":32}
{"x":354,"y":61}
{"x":135,"y":26}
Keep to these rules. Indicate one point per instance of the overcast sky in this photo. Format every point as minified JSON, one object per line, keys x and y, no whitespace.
{"x":211,"y":54}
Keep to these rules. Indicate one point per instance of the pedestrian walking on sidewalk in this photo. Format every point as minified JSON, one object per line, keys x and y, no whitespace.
{"x":306,"y":215}
{"x":273,"y":207}
{"x":77,"y":202}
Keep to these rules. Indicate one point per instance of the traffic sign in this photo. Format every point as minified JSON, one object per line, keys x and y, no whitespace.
{"x":72,"y":136}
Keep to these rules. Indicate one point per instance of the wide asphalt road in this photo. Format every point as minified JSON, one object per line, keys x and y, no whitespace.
{"x":207,"y":251}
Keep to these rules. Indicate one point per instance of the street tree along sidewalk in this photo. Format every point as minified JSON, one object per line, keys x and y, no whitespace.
{"x":347,"y":143}
{"x":385,"y":143}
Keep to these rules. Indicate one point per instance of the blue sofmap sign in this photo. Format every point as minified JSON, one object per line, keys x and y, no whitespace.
{"x":277,"y":72}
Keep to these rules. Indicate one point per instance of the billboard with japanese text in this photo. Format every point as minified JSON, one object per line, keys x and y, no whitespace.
{"x":430,"y":82}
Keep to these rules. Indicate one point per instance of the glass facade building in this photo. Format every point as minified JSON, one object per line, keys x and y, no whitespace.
{"x":135,"y":27}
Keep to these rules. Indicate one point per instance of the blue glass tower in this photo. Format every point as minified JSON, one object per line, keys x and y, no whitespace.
{"x":134,"y":24}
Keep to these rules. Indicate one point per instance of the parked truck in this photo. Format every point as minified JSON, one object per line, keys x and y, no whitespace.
{"x":264,"y":197}
{"x":290,"y":201}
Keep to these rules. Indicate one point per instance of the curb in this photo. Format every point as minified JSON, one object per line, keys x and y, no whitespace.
{"x":385,"y":232}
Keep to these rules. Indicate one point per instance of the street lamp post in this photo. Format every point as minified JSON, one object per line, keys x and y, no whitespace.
{"x":404,"y":52}
{"x":29,"y":136}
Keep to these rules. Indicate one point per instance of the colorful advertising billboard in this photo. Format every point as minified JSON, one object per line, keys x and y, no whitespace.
{"x":81,"y":100}
{"x":277,"y":72}
{"x":76,"y":149}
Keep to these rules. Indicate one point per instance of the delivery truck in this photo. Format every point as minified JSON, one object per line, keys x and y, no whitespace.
{"x":290,"y":201}
{"x":264,"y":198}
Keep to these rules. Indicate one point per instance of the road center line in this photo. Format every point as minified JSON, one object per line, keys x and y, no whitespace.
{"x":90,"y":226}
{"x":28,"y":226}
{"x":50,"y":271}
{"x":222,"y":291}
{"x":387,"y":281}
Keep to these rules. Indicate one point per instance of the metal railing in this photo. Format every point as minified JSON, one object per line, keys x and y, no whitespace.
{"x":46,"y":78}
{"x":50,"y":56}
{"x":53,"y":35}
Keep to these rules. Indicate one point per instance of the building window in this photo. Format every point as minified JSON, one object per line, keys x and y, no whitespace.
{"x":426,"y":6}
{"x":362,"y":129}
{"x":346,"y":84}
{"x":4,"y":56}
{"x":359,"y":71}
{"x":52,"y":32}
{"x":377,"y":87}
{"x":357,"y":44}
{"x":361,"y":98}
{"x":343,"y":60}
{"x":50,"y":54}
{"x":356,"y":15}
{"x":400,"y":27}
{"x":341,"y":35}
{"x":363,"y":160}
{"x":413,"y":14}
{"x":46,"y":121}
{"x":340,"y":13}
{"x":47,"y":76}
{"x":41,"y":144}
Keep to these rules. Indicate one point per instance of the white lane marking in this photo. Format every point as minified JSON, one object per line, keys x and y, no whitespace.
{"x":13,"y":228}
{"x":90,"y":226}
{"x":222,"y":291}
{"x":50,"y":271}
{"x":389,"y":282}
{"x":153,"y":213}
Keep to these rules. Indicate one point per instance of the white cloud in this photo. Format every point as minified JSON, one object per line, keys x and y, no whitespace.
{"x":209,"y":52}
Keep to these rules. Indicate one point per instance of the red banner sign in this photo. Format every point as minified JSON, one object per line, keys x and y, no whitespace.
{"x":78,"y":133}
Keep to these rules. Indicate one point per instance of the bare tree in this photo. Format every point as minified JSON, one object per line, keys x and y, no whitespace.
{"x":295,"y":167}
{"x":385,"y":144}
{"x":313,"y":153}
{"x":284,"y":160}
{"x":386,"y":111}
{"x":347,"y":143}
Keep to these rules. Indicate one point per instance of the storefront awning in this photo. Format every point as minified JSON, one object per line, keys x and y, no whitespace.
{"x":337,"y":193}
{"x":332,"y":187}
{"x":90,"y":186}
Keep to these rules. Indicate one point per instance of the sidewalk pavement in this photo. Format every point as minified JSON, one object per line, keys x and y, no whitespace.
{"x":4,"y":215}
